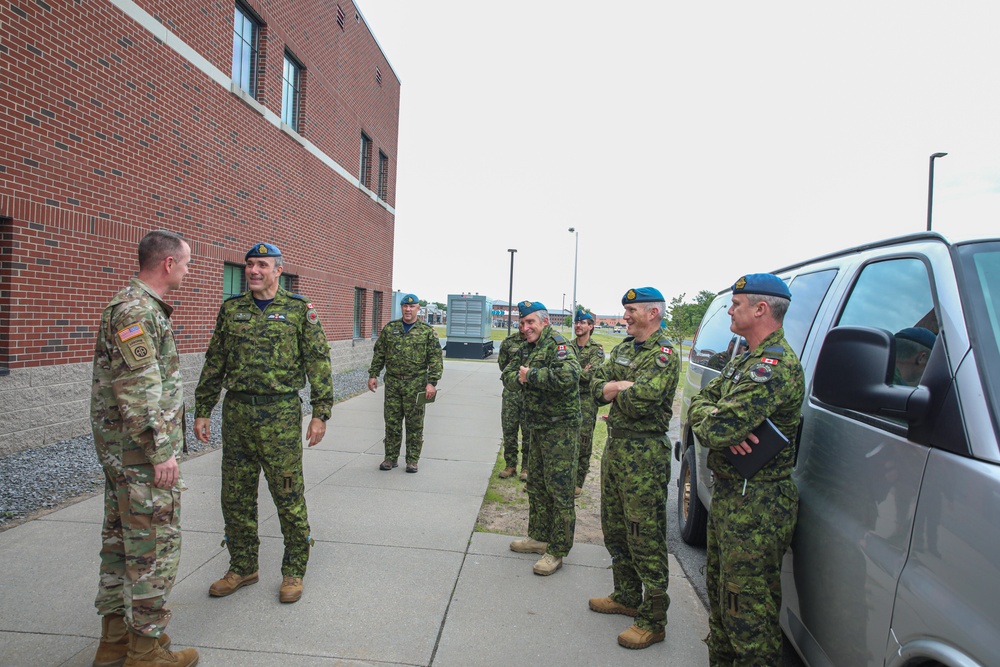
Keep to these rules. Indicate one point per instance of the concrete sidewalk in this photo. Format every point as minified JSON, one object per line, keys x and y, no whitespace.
{"x":397,"y":576}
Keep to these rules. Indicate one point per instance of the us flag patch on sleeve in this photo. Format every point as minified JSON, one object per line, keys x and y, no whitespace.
{"x":130,"y":332}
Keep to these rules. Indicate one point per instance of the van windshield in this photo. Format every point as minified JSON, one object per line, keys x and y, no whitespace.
{"x":979,"y":274}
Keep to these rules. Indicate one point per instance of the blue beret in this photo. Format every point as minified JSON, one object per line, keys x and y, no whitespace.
{"x":263,"y":250}
{"x":918,"y":335}
{"x":642,"y":295}
{"x":409,"y":299}
{"x":583,"y":316}
{"x":767,"y":284}
{"x":528,"y":307}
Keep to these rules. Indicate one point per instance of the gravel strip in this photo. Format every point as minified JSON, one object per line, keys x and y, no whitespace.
{"x":43,"y":478}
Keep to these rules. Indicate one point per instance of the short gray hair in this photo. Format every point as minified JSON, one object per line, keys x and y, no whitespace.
{"x":778,"y":305}
{"x":661,"y":305}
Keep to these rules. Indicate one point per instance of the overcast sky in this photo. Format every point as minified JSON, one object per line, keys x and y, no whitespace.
{"x":689,"y":143}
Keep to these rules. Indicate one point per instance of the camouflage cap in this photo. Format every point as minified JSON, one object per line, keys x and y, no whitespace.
{"x":263,"y":250}
{"x":528,"y":307}
{"x":642,"y":295}
{"x":767,"y":284}
{"x":409,"y":300}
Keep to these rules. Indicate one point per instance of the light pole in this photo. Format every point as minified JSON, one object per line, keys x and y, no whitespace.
{"x":510,"y":294}
{"x":930,"y":189}
{"x":576,"y":257}
{"x":562,"y":325}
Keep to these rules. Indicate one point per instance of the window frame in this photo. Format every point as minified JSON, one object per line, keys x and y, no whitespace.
{"x":376,"y":313}
{"x":383,"y":176}
{"x":365,"y":170}
{"x":291,"y":110}
{"x":359,"y":310}
{"x":248,"y":50}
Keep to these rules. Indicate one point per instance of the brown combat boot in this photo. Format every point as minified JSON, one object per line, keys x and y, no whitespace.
{"x":547,"y":565}
{"x":524,"y":474}
{"x":113,"y":648}
{"x":507,"y":472}
{"x":528,"y":546}
{"x":146,"y":652}
{"x":230,"y":583}
{"x":635,"y":637}
{"x":609,"y":606}
{"x":291,"y":589}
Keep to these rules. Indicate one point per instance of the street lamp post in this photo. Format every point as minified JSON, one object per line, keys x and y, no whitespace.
{"x":510,"y":294}
{"x":576,"y":257}
{"x":930,"y":188}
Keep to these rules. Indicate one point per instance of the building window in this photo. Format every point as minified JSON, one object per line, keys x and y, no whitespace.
{"x":234,"y":281}
{"x":287,"y":282}
{"x":366,"y":161}
{"x":359,"y":310}
{"x":376,"y":313}
{"x":340,"y":17}
{"x":383,"y":176}
{"x":291,"y":87}
{"x":246,"y":37}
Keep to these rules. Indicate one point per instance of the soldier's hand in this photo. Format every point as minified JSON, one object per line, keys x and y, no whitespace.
{"x":372,"y":384}
{"x":316,"y":431}
{"x":202,"y":428}
{"x":430,"y":392}
{"x":165,"y":474}
{"x":745,"y":447}
{"x":522,"y":374}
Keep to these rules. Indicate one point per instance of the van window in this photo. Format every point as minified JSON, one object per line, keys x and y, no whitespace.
{"x":979,"y":271}
{"x":713,"y":346}
{"x":896,"y":295}
{"x":808,"y":291}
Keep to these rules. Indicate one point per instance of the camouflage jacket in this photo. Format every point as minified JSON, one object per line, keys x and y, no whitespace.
{"x":137,"y":398}
{"x":511,"y":347}
{"x":408,"y":354}
{"x":591,"y":354}
{"x":766,"y":382}
{"x":551,"y":393}
{"x":647,"y":405}
{"x":269,"y":352}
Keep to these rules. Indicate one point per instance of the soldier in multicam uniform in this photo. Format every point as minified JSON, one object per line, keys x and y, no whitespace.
{"x":267,"y":342}
{"x":511,"y":419}
{"x":548,"y":375}
{"x":591,"y":355}
{"x":639,"y":380}
{"x":410,"y":352}
{"x":137,"y":415}
{"x":751,"y":521}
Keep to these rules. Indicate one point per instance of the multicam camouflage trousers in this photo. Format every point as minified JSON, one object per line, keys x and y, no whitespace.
{"x":552,"y":457}
{"x":589,"y":410}
{"x":748,"y":534}
{"x":510,"y":423}
{"x":401,"y":406}
{"x":634,"y":477}
{"x":141,"y":546}
{"x":269,"y":438}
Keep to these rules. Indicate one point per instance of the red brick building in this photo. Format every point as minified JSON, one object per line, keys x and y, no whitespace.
{"x":228,"y":122}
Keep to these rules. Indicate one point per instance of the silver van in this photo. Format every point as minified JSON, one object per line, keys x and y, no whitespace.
{"x":896,"y":556}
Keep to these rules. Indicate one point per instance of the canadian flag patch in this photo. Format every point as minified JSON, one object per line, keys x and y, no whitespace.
{"x":767,"y":360}
{"x":668,"y":350}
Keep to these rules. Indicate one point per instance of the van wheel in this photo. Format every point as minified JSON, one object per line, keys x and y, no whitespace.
{"x":691,"y":514}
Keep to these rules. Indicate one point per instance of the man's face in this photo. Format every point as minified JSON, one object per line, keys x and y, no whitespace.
{"x":531,"y":327}
{"x":262,"y":275}
{"x":741,"y":314}
{"x":179,"y":267}
{"x":636,"y":316}
{"x":583,"y":327}
{"x":410,"y":311}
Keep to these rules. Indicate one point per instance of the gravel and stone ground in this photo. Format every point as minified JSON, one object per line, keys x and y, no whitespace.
{"x":41,"y":479}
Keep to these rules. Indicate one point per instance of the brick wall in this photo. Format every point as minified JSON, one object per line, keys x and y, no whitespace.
{"x":116,"y":121}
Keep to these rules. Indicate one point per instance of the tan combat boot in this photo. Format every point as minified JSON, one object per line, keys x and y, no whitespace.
{"x":578,"y":491}
{"x":524,"y":474}
{"x":609,"y":606}
{"x":507,"y":472}
{"x":547,"y":564}
{"x":113,"y":648}
{"x":291,"y":589}
{"x":230,"y":583}
{"x":146,"y":652}
{"x":636,"y":637}
{"x":528,"y":546}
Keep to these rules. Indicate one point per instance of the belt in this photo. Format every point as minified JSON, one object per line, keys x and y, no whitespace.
{"x":622,"y":433}
{"x":403,"y":377}
{"x":260,"y":399}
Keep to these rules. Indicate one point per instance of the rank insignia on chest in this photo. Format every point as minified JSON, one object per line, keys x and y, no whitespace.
{"x":728,"y":372}
{"x":130,"y":332}
{"x":277,"y":316}
{"x":736,"y":377}
{"x":760,"y":372}
{"x":561,"y":351}
{"x":768,"y":360}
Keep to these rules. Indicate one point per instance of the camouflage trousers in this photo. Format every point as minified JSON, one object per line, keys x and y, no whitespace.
{"x":401,"y":406}
{"x":634,"y":477}
{"x":268,"y":438}
{"x":748,"y":534}
{"x":510,"y":423}
{"x":589,"y":410}
{"x":552,"y":456}
{"x":141,"y":547}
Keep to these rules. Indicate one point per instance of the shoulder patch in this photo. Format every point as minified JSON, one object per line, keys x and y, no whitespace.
{"x":311,"y":315}
{"x":135,"y":346}
{"x":774,"y":350}
{"x":760,"y":372}
{"x":663,"y":357}
{"x":557,"y":337}
{"x":561,"y":352}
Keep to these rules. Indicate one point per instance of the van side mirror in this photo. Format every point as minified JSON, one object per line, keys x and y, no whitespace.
{"x":855,"y":370}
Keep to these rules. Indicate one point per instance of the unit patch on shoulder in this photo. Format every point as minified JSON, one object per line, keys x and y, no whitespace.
{"x":130,"y":332}
{"x":760,"y":372}
{"x":663,"y":357}
{"x":561,"y":352}
{"x":135,"y":346}
{"x":312,"y":316}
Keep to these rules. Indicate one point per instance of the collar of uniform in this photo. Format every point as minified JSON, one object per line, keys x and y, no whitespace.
{"x":773,"y":338}
{"x":167,"y":308}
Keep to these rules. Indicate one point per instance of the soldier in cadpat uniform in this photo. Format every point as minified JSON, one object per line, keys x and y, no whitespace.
{"x":751,"y":521}
{"x":410,"y":352}
{"x":548,"y":375}
{"x":510,"y":411}
{"x":639,"y":380}
{"x":591,"y":355}
{"x":137,"y":416}
{"x":267,"y":343}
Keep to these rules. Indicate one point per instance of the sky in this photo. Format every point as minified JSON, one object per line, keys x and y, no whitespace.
{"x":687,"y":143}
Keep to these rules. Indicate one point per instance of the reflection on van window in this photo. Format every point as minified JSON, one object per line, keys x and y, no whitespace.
{"x":808,"y":291}
{"x":896,"y":295}
{"x":713,"y":346}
